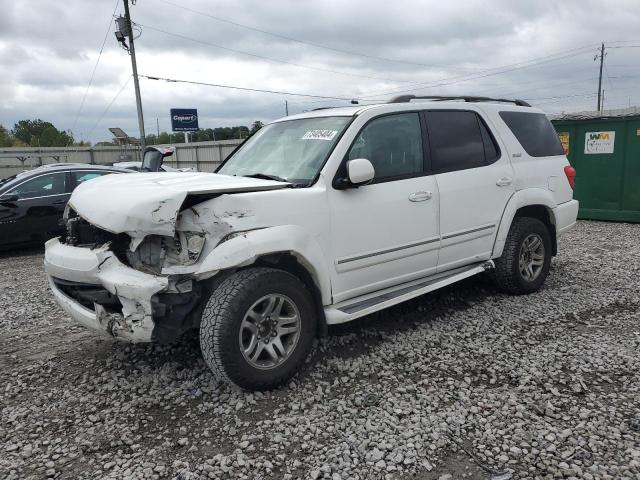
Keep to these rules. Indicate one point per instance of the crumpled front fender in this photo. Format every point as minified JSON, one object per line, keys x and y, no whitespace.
{"x":243,"y":248}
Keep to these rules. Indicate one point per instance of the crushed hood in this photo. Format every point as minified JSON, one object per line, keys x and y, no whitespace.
{"x":148,"y":203}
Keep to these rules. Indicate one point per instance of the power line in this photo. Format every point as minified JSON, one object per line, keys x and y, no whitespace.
{"x":110,"y":104}
{"x":95,"y":67}
{"x":544,"y":85}
{"x":606,"y":72}
{"x":305,"y":42}
{"x":276,"y":60}
{"x":585,"y":94}
{"x":233,"y":87}
{"x":488,"y":72}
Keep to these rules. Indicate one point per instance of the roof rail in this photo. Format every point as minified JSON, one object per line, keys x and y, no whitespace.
{"x":466,"y":98}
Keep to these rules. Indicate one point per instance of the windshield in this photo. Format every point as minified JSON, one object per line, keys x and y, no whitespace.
{"x":293,"y":150}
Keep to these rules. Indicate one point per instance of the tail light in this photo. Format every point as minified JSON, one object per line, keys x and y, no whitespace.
{"x":570,"y":172}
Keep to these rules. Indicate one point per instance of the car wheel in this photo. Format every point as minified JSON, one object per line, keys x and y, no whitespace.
{"x":525,"y":261}
{"x":257,"y":327}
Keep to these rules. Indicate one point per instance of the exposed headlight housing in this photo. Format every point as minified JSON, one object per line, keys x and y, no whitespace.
{"x":156,"y":252}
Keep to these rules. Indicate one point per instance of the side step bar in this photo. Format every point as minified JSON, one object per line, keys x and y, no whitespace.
{"x":373,"y":302}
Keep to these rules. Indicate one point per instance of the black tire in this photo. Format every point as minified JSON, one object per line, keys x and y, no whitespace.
{"x":222,"y":317}
{"x":507,"y":273}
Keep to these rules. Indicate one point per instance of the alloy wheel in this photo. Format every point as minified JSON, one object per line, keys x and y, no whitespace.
{"x":531,"y":260}
{"x":270,"y":331}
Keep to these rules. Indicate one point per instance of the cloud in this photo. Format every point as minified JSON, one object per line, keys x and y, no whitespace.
{"x":48,"y":51}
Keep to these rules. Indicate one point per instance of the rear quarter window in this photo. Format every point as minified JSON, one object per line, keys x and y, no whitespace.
{"x":534,"y":132}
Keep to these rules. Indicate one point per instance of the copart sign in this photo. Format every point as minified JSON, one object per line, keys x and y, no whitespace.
{"x":184,"y":119}
{"x":599,"y":142}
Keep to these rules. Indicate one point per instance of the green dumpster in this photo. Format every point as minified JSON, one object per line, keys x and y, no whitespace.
{"x":604,"y":148}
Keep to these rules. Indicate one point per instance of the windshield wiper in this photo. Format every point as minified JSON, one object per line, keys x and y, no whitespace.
{"x":265,"y":176}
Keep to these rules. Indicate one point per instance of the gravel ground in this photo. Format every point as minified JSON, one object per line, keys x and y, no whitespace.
{"x":461,"y":383}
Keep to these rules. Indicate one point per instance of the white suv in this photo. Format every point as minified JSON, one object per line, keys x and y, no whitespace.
{"x":317,"y":219}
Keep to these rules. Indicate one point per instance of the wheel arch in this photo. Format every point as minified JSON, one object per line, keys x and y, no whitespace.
{"x":532,"y":202}
{"x":288,"y":248}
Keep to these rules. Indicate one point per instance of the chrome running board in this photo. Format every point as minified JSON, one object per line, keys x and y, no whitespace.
{"x":372,"y":302}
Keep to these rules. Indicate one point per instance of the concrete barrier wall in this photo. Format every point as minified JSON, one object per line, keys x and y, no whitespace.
{"x":200,"y":156}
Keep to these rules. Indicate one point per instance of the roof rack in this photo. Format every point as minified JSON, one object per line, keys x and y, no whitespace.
{"x":466,"y":98}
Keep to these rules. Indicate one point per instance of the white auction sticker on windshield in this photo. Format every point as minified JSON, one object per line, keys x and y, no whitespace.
{"x":319,"y":135}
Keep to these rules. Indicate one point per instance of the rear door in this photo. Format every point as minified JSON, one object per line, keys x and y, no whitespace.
{"x":475,"y":181}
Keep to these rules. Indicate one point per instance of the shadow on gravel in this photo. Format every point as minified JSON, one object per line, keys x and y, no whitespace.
{"x":354,"y":338}
{"x":458,"y":465}
{"x":367,"y":331}
{"x":184,"y":352}
{"x":425,"y":308}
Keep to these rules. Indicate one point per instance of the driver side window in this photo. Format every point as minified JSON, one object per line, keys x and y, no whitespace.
{"x":42,"y":186}
{"x":393,"y":144}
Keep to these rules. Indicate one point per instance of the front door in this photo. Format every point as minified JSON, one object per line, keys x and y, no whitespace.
{"x":38,"y":211}
{"x":385,"y":233}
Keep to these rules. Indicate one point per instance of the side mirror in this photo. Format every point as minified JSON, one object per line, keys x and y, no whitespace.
{"x":360,"y":171}
{"x":9,"y":198}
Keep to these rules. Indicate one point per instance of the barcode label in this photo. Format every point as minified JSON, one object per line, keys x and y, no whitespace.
{"x":319,"y":135}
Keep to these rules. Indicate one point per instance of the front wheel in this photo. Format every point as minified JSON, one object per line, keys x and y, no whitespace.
{"x":526,"y":259}
{"x":257,"y":327}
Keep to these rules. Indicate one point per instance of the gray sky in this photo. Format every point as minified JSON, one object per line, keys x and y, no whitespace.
{"x":537,"y":50}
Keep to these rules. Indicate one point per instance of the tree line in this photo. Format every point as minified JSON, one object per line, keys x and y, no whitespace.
{"x":39,"y":133}
{"x":204,"y":134}
{"x":36,"y":133}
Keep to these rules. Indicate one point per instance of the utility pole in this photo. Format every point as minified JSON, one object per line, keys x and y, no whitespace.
{"x":601,"y":56}
{"x":134,"y":66}
{"x":286,"y":107}
{"x":158,"y":126}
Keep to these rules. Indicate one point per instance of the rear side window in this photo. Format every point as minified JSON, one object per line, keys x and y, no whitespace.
{"x":81,"y":177}
{"x":534,"y":132}
{"x":459,"y":140}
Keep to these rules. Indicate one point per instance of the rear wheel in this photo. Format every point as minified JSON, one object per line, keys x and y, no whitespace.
{"x":257,"y":327}
{"x":525,"y":261}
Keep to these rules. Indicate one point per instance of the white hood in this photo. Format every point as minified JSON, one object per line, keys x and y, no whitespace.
{"x":148,"y":203}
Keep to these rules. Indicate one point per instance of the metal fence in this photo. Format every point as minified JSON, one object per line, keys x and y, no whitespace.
{"x":200,"y":156}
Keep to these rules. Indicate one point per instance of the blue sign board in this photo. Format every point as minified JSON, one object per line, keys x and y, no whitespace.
{"x":184,"y":119}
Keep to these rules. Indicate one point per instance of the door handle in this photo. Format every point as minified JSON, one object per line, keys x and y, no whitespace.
{"x":59,"y":202}
{"x":420,"y":196}
{"x":504,"y":182}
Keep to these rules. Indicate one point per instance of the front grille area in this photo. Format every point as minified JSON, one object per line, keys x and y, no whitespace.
{"x":88,"y":295}
{"x":81,"y":233}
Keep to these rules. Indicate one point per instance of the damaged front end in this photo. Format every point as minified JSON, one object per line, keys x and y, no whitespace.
{"x":129,"y":262}
{"x":114,"y":283}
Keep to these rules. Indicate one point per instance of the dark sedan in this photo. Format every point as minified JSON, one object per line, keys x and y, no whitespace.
{"x":32,"y":203}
